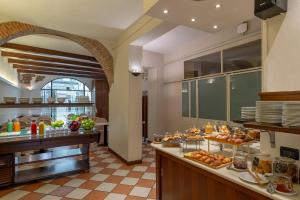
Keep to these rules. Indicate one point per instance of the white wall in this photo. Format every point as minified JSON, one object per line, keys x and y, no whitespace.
{"x":8,"y":87}
{"x":125,"y":97}
{"x":173,"y":72}
{"x":281,"y":67}
{"x":7,"y":73}
{"x":153,"y":62}
{"x":7,"y":90}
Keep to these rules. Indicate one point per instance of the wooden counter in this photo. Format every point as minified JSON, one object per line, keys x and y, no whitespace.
{"x":178,"y":179}
{"x":72,"y":160}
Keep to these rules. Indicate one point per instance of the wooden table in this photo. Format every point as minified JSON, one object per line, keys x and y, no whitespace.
{"x":71,"y":160}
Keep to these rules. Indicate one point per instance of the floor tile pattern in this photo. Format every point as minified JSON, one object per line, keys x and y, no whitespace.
{"x":108,"y":179}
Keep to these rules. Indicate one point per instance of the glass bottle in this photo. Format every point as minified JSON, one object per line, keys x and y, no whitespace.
{"x":41,"y":128}
{"x":9,"y":126}
{"x":17,"y":126}
{"x":33,"y":127}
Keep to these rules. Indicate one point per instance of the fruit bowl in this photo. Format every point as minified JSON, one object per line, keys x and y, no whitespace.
{"x":74,"y":125}
{"x":57,"y":124}
{"x":88,"y":124}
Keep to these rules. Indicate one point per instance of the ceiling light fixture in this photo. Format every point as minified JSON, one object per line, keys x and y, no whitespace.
{"x":216,"y":27}
{"x":193,"y":19}
{"x":218,"y":5}
{"x":166,"y":11}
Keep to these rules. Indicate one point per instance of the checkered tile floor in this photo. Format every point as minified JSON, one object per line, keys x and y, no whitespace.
{"x":108,"y":179}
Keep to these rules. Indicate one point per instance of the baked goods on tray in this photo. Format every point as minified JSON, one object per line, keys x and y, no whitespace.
{"x":238,"y":137}
{"x":210,"y":159}
{"x":172,"y":140}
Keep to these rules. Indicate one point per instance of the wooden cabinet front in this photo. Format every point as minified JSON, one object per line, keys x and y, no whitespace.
{"x":178,"y":180}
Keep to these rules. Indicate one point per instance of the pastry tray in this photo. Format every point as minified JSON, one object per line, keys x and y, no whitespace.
{"x":226,"y":142}
{"x":203,"y":163}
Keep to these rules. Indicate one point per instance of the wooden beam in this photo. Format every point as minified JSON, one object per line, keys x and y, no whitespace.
{"x":32,"y":49}
{"x":48,"y":59}
{"x":59,"y":74}
{"x":25,"y":67}
{"x":53,"y":65}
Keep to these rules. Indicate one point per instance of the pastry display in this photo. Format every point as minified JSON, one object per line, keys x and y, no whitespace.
{"x":172,"y":140}
{"x":194,"y":137}
{"x":157,"y":138}
{"x":238,"y":137}
{"x":193,"y":131}
{"x":224,"y":129}
{"x":209,"y":159}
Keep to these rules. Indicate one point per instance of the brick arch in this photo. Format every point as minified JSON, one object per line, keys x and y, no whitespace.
{"x":12,"y":30}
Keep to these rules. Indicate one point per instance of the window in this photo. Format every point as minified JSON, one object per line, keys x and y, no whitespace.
{"x":65,"y":87}
{"x":242,"y":57}
{"x":68,"y":88}
{"x":244,"y":89}
{"x":212,"y":98}
{"x":234,"y":81}
{"x":185,"y":99}
{"x":203,"y":66}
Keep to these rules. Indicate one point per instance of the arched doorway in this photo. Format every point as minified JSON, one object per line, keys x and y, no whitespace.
{"x":12,"y":30}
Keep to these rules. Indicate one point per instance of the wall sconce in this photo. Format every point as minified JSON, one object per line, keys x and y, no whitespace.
{"x":136,"y":71}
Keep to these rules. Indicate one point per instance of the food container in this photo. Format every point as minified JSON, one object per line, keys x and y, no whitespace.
{"x":262,"y":163}
{"x":287,"y":167}
{"x":157,"y":138}
{"x":282,"y":184}
{"x":9,"y":100}
{"x":209,"y":128}
{"x":240,"y":161}
{"x":37,"y":100}
{"x":51,"y":100}
{"x":24,"y":100}
{"x":61,"y":99}
{"x":172,"y":140}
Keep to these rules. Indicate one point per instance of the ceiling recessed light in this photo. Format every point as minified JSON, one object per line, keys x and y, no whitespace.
{"x":166,"y":11}
{"x":218,"y":5}
{"x":193,"y":19}
{"x":216,"y":27}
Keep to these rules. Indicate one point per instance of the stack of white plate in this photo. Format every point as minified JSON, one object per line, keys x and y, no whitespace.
{"x":248,"y":113}
{"x":269,"y":112}
{"x":291,"y":114}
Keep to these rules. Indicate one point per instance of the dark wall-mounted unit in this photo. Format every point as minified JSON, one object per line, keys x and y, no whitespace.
{"x":265,"y":9}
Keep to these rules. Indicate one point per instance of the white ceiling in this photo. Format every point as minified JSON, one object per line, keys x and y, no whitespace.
{"x":98,"y":19}
{"x":103,"y":20}
{"x":180,"y":12}
{"x":173,"y":39}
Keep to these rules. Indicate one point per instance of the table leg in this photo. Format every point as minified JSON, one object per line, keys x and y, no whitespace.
{"x":105,"y":135}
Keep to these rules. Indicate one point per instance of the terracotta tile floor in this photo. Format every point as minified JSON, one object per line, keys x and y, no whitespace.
{"x":108,"y":179}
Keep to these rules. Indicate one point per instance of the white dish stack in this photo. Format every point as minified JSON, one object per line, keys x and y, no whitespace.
{"x":83,"y":99}
{"x":248,"y":113}
{"x":269,"y":112}
{"x":291,"y":114}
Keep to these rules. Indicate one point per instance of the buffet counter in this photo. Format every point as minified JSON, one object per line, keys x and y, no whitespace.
{"x":16,"y":169}
{"x":180,"y":178}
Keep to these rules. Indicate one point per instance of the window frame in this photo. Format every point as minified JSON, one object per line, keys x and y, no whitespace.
{"x":51,"y":88}
{"x":227,"y":76}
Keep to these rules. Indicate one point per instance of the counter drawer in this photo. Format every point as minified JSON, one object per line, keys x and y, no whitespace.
{"x":6,"y":161}
{"x":6,"y":176}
